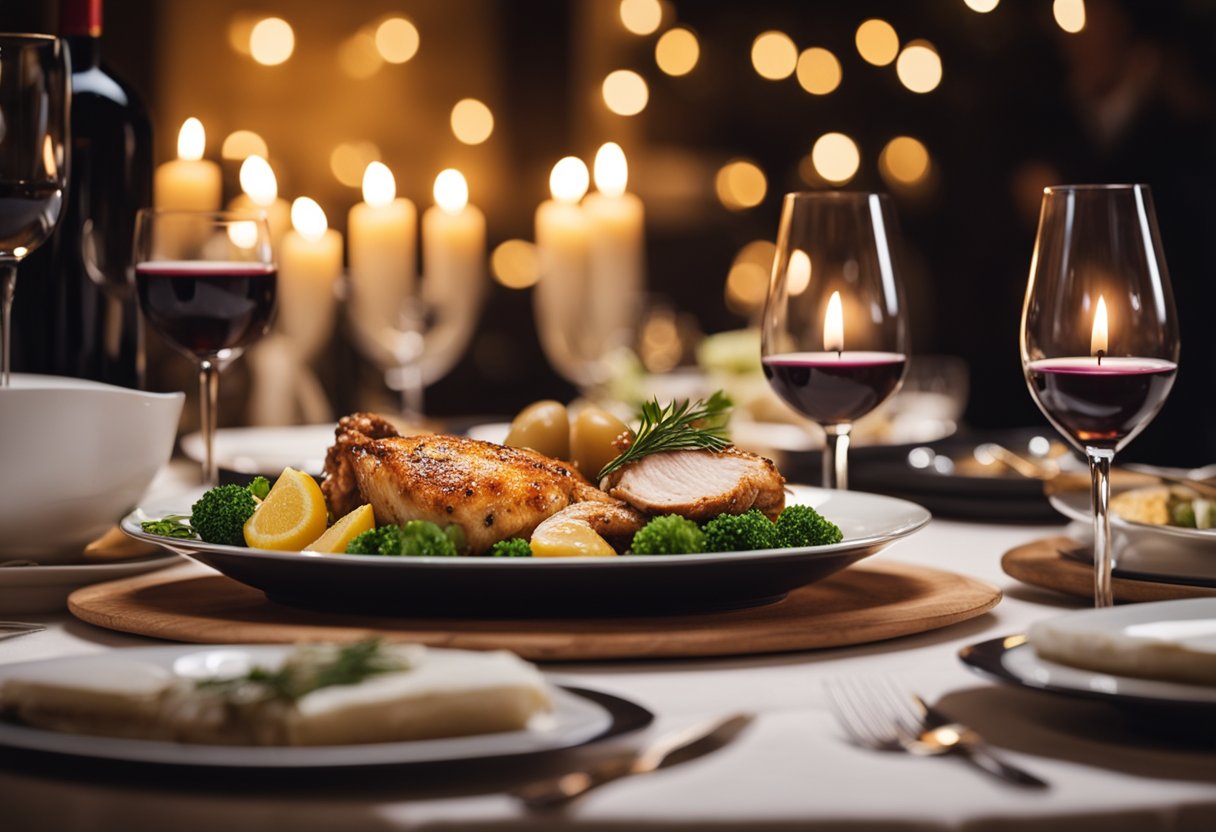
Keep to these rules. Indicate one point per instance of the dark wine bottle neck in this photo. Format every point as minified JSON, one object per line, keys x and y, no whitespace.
{"x":80,"y":17}
{"x":85,"y":52}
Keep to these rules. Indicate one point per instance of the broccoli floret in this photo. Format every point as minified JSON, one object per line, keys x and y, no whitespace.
{"x":171,"y":526}
{"x":670,"y":534}
{"x":803,"y":526}
{"x":417,"y":538}
{"x":260,"y":487}
{"x":740,"y":532}
{"x":1183,"y":514}
{"x":516,"y":547}
{"x":219,"y":515}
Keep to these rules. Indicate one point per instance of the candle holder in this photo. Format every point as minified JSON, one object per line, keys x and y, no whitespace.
{"x":834,"y":336}
{"x":1099,"y":334}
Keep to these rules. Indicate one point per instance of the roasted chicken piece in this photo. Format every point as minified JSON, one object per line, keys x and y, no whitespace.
{"x":700,"y":484}
{"x":492,"y":492}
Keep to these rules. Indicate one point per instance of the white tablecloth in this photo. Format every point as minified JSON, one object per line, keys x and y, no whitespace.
{"x":792,"y":768}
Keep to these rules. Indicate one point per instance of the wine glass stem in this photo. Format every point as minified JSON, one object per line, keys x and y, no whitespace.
{"x":208,"y":395}
{"x":8,"y":288}
{"x":1099,"y":469}
{"x":836,"y":457}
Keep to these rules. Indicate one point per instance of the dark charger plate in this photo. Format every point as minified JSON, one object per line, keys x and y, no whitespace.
{"x":512,"y":587}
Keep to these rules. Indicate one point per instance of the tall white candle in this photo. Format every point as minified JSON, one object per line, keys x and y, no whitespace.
{"x":189,"y":182}
{"x":617,"y":268}
{"x":383,"y":250}
{"x":260,"y":192}
{"x":562,"y":241}
{"x":310,"y":264}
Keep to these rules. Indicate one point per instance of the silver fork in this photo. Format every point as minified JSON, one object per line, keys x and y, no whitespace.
{"x":13,"y":629}
{"x":878,"y":714}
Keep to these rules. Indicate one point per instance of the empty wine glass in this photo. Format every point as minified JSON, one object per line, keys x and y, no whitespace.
{"x":34,"y":100}
{"x":207,"y":282}
{"x":834,"y":334}
{"x":1099,"y":335}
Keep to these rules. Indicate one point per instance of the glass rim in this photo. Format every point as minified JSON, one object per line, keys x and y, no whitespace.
{"x":1113,"y":186}
{"x":36,"y":37}
{"x":835,"y":194}
{"x":227,"y":215}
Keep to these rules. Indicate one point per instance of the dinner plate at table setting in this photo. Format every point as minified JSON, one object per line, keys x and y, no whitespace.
{"x":266,"y":450}
{"x":1013,"y":660}
{"x":530,"y":587}
{"x":579,"y":717}
{"x":37,"y":589}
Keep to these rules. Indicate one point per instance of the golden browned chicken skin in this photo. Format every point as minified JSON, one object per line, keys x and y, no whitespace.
{"x":491,"y":491}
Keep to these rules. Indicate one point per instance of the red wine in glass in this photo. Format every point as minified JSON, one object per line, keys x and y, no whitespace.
{"x":834,"y":388}
{"x":1101,"y":403}
{"x":205,"y":307}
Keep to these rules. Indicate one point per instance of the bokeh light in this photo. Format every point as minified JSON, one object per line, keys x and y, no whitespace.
{"x":904,"y":161}
{"x":642,"y":17}
{"x":877,"y":42}
{"x":982,"y":6}
{"x":240,"y":144}
{"x":397,"y":40}
{"x":919,"y":67}
{"x":348,"y":160}
{"x":740,"y":184}
{"x":569,"y":180}
{"x":798,"y":273}
{"x":836,"y":157}
{"x":514,"y":264}
{"x":472,"y":121}
{"x":818,"y":71}
{"x":272,"y":41}
{"x":774,"y":55}
{"x":358,"y":56}
{"x":747,"y":281}
{"x":625,"y":92}
{"x":677,"y":51}
{"x":1069,"y":15}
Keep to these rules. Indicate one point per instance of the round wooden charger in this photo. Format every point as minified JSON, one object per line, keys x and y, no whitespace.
{"x":1042,"y":563}
{"x":855,"y":606}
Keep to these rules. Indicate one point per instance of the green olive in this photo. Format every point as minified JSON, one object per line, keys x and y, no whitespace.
{"x":544,"y":427}
{"x":591,"y":439}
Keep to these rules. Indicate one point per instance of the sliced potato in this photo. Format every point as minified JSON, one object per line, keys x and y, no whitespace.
{"x":544,"y":427}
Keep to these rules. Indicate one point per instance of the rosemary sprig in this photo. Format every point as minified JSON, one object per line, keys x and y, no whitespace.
{"x":307,"y":671}
{"x":681,"y":425}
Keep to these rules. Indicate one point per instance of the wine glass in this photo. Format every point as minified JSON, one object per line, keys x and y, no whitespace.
{"x":207,"y":282}
{"x":34,"y":100}
{"x":834,"y":334}
{"x":1099,"y":335}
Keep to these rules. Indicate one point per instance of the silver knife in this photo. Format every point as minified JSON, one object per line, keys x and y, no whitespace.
{"x":693,"y":741}
{"x":966,"y":742}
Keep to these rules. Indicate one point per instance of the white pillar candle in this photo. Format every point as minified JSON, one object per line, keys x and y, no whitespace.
{"x":616,"y":253}
{"x":562,"y":233}
{"x":310,"y":264}
{"x":383,"y":246}
{"x":189,"y":182}
{"x":261,"y":193}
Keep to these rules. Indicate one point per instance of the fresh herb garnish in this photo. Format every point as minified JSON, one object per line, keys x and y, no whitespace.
{"x":680,"y":426}
{"x":311,"y":669}
{"x":171,"y":526}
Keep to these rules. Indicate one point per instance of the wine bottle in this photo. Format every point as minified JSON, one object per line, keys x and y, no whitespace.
{"x":76,"y":313}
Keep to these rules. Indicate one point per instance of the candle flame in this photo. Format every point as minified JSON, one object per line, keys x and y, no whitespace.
{"x":379,"y":186}
{"x":191,"y":140}
{"x":308,"y":219}
{"x":833,"y":325}
{"x":569,"y":180}
{"x":1098,"y":338}
{"x":451,"y":191}
{"x":258,"y":181}
{"x":611,"y":170}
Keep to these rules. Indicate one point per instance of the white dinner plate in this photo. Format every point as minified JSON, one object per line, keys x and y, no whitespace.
{"x":1147,"y":552}
{"x":579,"y":717}
{"x":266,"y":450}
{"x":36,"y":589}
{"x":1014,"y":660}
{"x":528,"y":587}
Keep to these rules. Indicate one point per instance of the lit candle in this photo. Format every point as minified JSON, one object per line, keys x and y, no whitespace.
{"x":561,"y":250}
{"x":833,"y":326}
{"x":261,"y":193}
{"x":189,"y":182}
{"x":453,"y":240}
{"x":1098,"y":336}
{"x":616,"y":258}
{"x":382,"y":252}
{"x":310,"y":264}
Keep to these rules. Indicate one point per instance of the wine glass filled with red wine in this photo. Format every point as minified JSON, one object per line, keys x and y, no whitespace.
{"x":206,"y":281}
{"x":835,"y":336}
{"x":34,"y":100}
{"x":1099,"y":337}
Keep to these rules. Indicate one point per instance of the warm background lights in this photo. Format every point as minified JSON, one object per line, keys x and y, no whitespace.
{"x":348,"y":160}
{"x":836,"y":157}
{"x":472,"y":121}
{"x":272,"y":41}
{"x":625,"y":92}
{"x":740,"y":184}
{"x":877,"y":42}
{"x":818,"y":71}
{"x":677,"y":51}
{"x":240,"y":144}
{"x":982,"y":6}
{"x":642,"y":17}
{"x":514,"y":264}
{"x":904,"y":161}
{"x":774,"y":55}
{"x":1069,"y":15}
{"x":397,"y":40}
{"x":919,"y":68}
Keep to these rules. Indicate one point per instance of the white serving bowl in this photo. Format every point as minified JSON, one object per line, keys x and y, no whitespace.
{"x":75,"y":456}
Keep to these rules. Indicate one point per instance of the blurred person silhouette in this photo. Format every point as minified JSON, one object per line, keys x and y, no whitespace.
{"x":1145,"y":114}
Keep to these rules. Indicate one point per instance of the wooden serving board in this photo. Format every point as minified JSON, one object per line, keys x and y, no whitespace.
{"x":1042,"y":563}
{"x":858,"y":605}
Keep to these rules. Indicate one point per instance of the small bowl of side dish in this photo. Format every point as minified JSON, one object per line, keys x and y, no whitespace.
{"x":75,"y":456}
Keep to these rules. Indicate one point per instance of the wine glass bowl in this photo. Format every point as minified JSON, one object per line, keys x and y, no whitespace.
{"x":1099,"y":336}
{"x":207,"y":282}
{"x":34,"y":98}
{"x":834,"y":338}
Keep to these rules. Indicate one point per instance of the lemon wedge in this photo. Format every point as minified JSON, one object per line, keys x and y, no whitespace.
{"x":292,"y":515}
{"x":338,"y":536}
